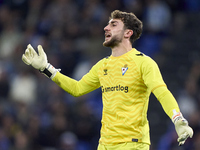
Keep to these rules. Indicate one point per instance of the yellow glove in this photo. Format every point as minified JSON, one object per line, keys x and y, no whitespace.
{"x":39,"y":61}
{"x":182,"y":128}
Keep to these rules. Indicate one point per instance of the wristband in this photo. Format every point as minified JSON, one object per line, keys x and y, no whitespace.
{"x":50,"y":71}
{"x":177,"y":116}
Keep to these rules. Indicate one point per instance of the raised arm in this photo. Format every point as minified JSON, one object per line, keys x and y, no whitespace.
{"x":39,"y":61}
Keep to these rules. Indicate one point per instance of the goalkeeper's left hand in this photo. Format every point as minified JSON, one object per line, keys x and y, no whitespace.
{"x":38,"y":61}
{"x":182,"y":128}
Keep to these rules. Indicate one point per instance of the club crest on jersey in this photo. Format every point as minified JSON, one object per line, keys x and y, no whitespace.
{"x":124,"y":69}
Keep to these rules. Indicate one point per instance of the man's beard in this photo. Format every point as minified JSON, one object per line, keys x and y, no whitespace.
{"x":113,"y":42}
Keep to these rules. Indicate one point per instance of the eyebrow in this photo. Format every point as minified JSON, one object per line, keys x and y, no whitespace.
{"x":112,"y":22}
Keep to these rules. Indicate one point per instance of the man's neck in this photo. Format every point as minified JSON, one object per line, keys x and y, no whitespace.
{"x":120,"y":50}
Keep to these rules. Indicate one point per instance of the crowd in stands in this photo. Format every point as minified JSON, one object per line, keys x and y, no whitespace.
{"x":35,"y":114}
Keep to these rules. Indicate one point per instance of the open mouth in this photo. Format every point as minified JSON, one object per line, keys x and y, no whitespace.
{"x":107,"y":36}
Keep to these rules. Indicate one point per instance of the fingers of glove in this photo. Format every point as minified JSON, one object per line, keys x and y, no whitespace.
{"x":183,"y":138}
{"x":41,"y":51}
{"x":25,"y":60}
{"x":181,"y":143}
{"x":32,"y":51}
{"x":28,"y":54}
{"x":191,"y":132}
{"x":188,"y":131}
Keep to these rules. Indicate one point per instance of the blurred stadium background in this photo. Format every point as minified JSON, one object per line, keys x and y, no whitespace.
{"x":35,"y":114}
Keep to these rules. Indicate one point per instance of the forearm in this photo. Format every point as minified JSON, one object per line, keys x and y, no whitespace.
{"x":167,"y":100}
{"x":71,"y":86}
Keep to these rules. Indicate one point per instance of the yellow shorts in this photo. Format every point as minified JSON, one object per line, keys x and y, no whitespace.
{"x":125,"y":146}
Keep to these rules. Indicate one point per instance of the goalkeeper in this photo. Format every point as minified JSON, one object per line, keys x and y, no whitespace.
{"x":127,"y":77}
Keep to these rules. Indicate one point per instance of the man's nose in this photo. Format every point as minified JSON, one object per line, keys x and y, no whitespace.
{"x":106,"y":28}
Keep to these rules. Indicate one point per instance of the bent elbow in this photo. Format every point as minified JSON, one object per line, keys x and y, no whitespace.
{"x":76,"y":94}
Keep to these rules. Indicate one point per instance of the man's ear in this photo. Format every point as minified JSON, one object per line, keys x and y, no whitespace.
{"x":128,"y":33}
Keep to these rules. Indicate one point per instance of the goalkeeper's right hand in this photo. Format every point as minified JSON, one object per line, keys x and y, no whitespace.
{"x":39,"y":61}
{"x":32,"y":58}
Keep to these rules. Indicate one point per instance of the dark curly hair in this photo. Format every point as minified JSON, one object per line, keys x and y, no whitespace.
{"x":130,"y":22}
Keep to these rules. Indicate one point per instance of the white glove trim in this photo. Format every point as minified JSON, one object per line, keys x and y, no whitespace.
{"x":50,"y":71}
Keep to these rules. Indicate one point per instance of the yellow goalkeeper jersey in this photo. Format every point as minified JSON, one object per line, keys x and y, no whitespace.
{"x":126,"y":83}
